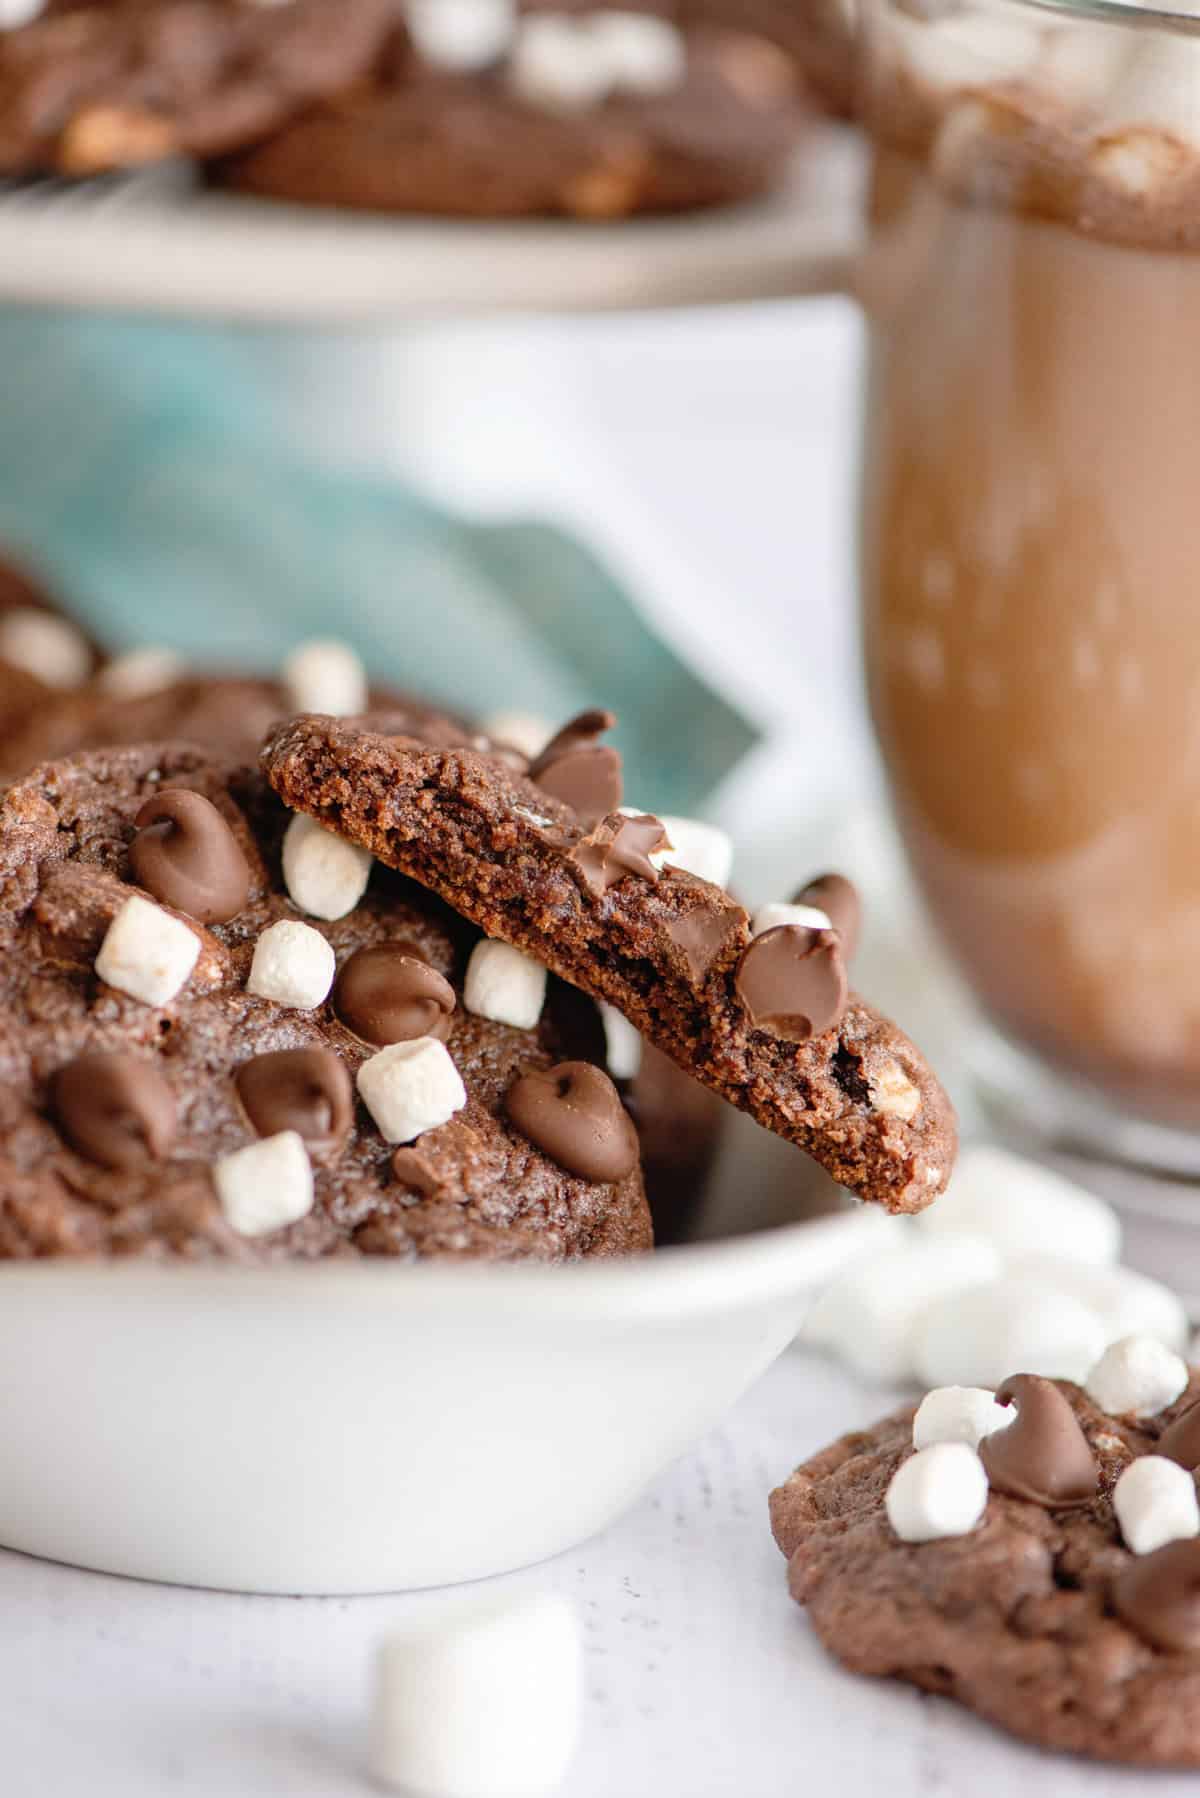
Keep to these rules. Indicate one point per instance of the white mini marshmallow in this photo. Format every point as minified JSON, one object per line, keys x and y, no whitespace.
{"x":14,"y":13}
{"x":698,"y":848}
{"x":266,"y":1185}
{"x":644,"y":56}
{"x":411,"y":1087}
{"x":979,"y":1336}
{"x":504,"y":985}
{"x":324,"y":875}
{"x":556,"y":63}
{"x":872,"y":1312}
{"x":485,"y":1706}
{"x":777,"y":917}
{"x":959,"y":1414}
{"x":1127,"y":1303}
{"x":293,"y":964}
{"x":1155,"y":1503}
{"x":622,"y":1044}
{"x":45,"y":646}
{"x":940,"y":1491}
{"x":1136,"y":1377}
{"x":461,"y":34}
{"x":141,"y":671}
{"x":523,"y":731}
{"x":1025,"y":1209}
{"x":325,"y":676}
{"x":147,"y":953}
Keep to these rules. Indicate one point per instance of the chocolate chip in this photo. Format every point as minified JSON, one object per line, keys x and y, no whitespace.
{"x":412,"y":1170}
{"x":792,"y":982}
{"x":839,"y":899}
{"x":307,"y":1090}
{"x":574,"y":1113}
{"x":618,"y":847}
{"x":1180,"y":1441}
{"x":699,"y":935}
{"x":1043,"y":1454}
{"x":390,"y":994}
{"x":115,"y":1109}
{"x":1158,"y":1595}
{"x":185,"y":854}
{"x":581,"y":771}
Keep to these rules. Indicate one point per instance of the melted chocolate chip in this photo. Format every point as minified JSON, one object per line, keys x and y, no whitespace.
{"x":700,"y":935}
{"x":185,"y":854}
{"x":412,"y":1170}
{"x":115,"y":1109}
{"x":618,"y":847}
{"x":1043,"y":1454}
{"x":574,"y":1113}
{"x":839,"y":899}
{"x":1158,"y":1595}
{"x":1180,"y":1441}
{"x":581,"y":771}
{"x":792,"y":982}
{"x":390,"y":994}
{"x":306,"y":1090}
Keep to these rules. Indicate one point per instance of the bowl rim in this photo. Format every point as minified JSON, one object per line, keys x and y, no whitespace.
{"x":675,"y":1282}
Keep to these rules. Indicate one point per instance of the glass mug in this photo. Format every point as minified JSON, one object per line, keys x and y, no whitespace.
{"x":1030,"y":534}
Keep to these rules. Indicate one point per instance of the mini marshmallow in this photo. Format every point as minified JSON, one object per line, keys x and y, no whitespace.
{"x":622,"y":1044}
{"x":1127,"y":1303}
{"x":504,"y":985}
{"x":698,"y":848}
{"x":461,"y":34}
{"x":523,"y":731}
{"x":324,"y":875}
{"x":45,"y":646}
{"x":1136,"y":1377}
{"x":1155,"y":1503}
{"x":871,"y":1313}
{"x":486,"y":1706}
{"x":776,"y":917}
{"x":147,"y":953}
{"x":556,"y":63}
{"x":978,"y":1336}
{"x":1024,"y":1209}
{"x":940,"y":1491}
{"x":644,"y":56}
{"x":14,"y":13}
{"x":325,"y":676}
{"x":411,"y":1087}
{"x":141,"y":671}
{"x":293,"y":964}
{"x":266,"y":1185}
{"x":959,"y":1414}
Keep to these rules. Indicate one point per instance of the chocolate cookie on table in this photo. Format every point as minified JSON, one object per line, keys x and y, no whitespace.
{"x":593,"y":116}
{"x":546,"y":862}
{"x":93,"y":88}
{"x":223,"y":1033}
{"x":1032,"y":1553}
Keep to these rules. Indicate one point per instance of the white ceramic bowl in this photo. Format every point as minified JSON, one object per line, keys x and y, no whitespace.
{"x":371,"y":1427}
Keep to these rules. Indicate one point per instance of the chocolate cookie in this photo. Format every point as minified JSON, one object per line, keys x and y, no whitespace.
{"x":225,"y":712}
{"x":764,"y":1021}
{"x":563,"y":129}
{"x":132,"y":81}
{"x":1039,"y":1617}
{"x":194,"y":1063}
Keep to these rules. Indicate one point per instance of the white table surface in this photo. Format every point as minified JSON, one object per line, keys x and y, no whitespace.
{"x":703,"y":1678}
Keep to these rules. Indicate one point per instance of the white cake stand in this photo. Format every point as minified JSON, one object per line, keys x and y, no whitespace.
{"x":158,"y":243}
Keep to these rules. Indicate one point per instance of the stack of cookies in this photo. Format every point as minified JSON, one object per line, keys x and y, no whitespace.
{"x":455,"y":107}
{"x":378,"y":985}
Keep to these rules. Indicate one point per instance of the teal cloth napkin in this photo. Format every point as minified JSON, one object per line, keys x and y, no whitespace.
{"x":143,"y":468}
